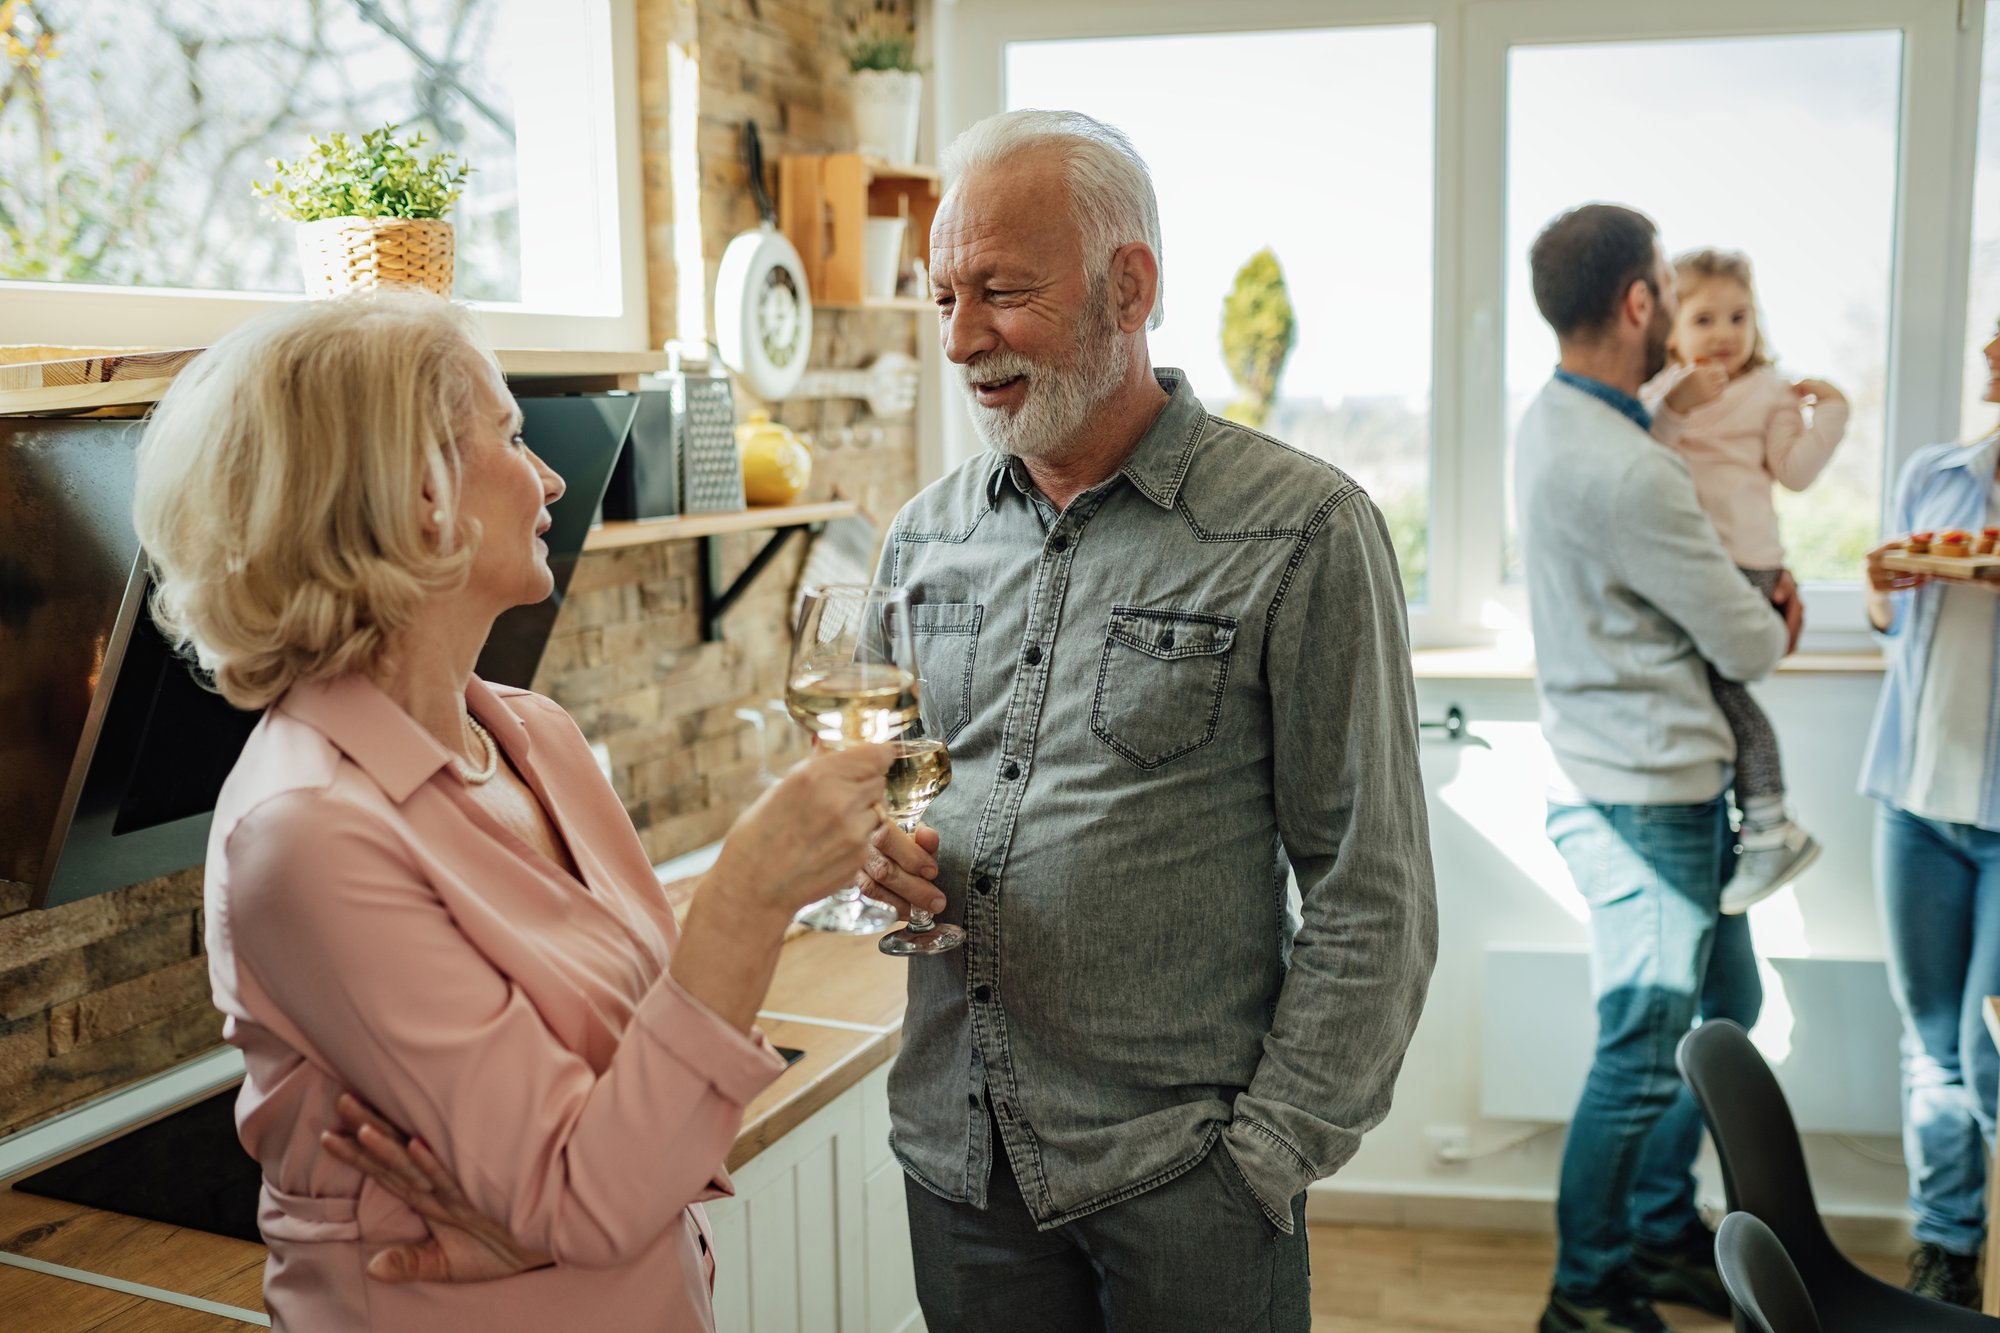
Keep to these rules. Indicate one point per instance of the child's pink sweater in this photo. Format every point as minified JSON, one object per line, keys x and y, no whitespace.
{"x":1751,"y":434}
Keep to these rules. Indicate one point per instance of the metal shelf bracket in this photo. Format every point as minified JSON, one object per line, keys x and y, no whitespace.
{"x":716,"y":600}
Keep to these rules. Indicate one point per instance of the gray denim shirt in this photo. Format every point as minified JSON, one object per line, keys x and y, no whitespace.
{"x":1153,"y":698}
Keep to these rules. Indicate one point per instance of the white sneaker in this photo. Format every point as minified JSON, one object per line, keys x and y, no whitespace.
{"x":1768,"y":860}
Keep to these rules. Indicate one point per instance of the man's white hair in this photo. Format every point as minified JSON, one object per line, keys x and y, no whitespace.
{"x":1110,"y":190}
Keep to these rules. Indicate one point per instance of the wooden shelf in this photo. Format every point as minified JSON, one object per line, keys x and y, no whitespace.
{"x":86,"y":379}
{"x":824,"y":204}
{"x":901,"y":304}
{"x":644,"y":532}
{"x":909,"y":171}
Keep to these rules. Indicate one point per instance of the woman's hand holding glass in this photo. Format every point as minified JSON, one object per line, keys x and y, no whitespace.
{"x":812,"y":831}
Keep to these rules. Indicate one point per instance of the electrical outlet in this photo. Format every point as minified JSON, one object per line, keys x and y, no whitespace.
{"x":1451,"y":1145}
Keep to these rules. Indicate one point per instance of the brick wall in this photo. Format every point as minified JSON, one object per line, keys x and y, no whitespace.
{"x":114,"y":988}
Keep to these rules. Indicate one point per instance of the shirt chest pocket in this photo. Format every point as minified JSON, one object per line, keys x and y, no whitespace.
{"x":1160,"y":684}
{"x":947,"y":640}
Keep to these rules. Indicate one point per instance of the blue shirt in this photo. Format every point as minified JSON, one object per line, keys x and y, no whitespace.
{"x":1944,"y":486}
{"x":1618,"y":398}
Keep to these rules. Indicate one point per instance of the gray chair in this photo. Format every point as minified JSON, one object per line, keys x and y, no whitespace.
{"x":1764,"y":1174}
{"x":1759,"y":1277}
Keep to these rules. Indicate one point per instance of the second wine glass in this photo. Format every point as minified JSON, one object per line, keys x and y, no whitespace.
{"x":920,"y":771}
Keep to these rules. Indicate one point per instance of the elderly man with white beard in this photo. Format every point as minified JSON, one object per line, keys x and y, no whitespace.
{"x":1170,"y":659}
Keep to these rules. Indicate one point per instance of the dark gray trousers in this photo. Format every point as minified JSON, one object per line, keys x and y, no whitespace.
{"x":1195,"y":1255}
{"x":1758,"y":769}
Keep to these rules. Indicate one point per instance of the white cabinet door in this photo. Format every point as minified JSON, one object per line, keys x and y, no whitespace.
{"x":815,"y":1240}
{"x":892,"y":1287}
{"x":783,"y":1245}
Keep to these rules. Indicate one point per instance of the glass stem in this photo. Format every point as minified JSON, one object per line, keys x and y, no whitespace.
{"x":920,"y":920}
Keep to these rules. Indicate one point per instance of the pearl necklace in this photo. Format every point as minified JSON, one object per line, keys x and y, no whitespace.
{"x":476,"y":776}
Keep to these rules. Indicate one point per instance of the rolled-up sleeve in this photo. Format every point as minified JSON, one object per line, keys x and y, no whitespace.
{"x":343,"y":948}
{"x":1350,"y":808}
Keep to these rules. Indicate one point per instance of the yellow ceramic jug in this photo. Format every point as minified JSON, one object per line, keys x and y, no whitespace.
{"x":776,"y":463}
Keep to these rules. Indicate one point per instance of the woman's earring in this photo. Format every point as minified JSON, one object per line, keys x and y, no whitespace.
{"x":437,"y":517}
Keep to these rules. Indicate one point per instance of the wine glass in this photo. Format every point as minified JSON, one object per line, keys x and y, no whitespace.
{"x":852,"y":681}
{"x":920,"y":770}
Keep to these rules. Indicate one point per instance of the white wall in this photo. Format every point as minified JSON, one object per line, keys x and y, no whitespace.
{"x":1501,"y":883}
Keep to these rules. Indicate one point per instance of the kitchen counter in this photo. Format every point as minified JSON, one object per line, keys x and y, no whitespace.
{"x":835,"y":997}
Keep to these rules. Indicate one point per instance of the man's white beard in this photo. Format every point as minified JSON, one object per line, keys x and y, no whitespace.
{"x":1059,"y":399}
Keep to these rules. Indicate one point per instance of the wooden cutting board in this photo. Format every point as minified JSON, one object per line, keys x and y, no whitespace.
{"x":1944,"y":566}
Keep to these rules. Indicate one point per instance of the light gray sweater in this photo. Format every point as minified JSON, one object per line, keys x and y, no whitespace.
{"x":1630,"y":593}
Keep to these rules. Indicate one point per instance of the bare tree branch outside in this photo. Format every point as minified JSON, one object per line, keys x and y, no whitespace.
{"x":130,"y":130}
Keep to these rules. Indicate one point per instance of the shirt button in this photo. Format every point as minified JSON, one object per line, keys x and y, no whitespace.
{"x":1033,"y":656}
{"x":984,"y":884}
{"x":1167,"y":641}
{"x":982,"y":993}
{"x":972,"y":1100}
{"x":1010,"y":770}
{"x":1059,"y":543}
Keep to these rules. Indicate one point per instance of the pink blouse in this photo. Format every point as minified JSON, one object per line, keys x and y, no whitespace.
{"x":371,"y":928}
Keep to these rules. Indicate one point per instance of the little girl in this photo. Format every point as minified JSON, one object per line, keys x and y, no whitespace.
{"x":1740,"y":428}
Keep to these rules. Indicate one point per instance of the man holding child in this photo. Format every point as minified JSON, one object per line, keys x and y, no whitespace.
{"x":1633,"y":598}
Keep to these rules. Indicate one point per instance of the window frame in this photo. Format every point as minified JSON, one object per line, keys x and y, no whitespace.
{"x":89,"y":315}
{"x":1467,"y":599}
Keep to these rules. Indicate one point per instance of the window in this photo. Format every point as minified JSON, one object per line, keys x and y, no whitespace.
{"x":1977,"y":417}
{"x":1831,"y":141}
{"x":1325,"y":161}
{"x":131,"y":130}
{"x":120,"y":166}
{"x":1782,"y":147}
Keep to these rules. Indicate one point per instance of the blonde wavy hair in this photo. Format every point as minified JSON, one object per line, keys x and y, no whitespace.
{"x":280,"y":492}
{"x":1695,"y":267}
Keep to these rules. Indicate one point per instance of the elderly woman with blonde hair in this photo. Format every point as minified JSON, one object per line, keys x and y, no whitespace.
{"x":421,"y":892}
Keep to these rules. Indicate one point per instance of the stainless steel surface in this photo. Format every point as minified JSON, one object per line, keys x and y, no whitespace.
{"x":111,"y":750}
{"x":67,"y":553}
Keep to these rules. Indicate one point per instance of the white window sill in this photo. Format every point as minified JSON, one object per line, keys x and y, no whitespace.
{"x":1492,"y":663}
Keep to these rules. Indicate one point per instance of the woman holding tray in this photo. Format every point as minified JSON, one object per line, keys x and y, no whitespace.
{"x":1931,"y":763}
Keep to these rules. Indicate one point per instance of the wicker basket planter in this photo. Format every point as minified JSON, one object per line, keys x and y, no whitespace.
{"x":346,"y":254}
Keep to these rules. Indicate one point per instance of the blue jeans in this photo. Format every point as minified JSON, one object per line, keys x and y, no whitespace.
{"x":1941,"y":914}
{"x":1661,"y":957}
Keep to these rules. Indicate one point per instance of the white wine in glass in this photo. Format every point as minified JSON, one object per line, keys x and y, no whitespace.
{"x":920,"y":770}
{"x":853,"y":681}
{"x":857,"y":704}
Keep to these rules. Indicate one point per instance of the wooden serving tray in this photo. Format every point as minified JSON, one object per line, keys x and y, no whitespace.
{"x":1944,"y":566}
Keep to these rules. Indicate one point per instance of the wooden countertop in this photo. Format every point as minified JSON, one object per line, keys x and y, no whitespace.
{"x":839,"y":999}
{"x":835,"y":997}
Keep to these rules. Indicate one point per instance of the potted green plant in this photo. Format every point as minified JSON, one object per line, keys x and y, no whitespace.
{"x":888,"y":88}
{"x":370,"y":212}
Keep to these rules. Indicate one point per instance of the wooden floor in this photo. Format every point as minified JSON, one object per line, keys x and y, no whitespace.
{"x":1394,"y":1280}
{"x":1382,"y":1280}
{"x":192,"y":1263}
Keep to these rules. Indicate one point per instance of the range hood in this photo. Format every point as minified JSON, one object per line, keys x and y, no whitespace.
{"x":111,"y":751}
